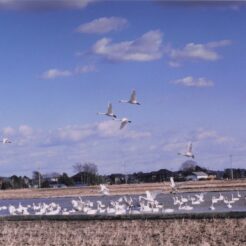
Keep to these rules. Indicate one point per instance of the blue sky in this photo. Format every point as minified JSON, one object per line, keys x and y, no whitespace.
{"x":63,"y":61}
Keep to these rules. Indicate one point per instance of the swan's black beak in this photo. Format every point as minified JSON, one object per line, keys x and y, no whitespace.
{"x":129,"y":121}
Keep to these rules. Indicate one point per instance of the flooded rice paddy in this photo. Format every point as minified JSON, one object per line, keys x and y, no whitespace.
{"x":189,"y":202}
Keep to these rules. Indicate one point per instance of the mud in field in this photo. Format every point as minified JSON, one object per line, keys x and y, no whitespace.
{"x":138,"y":232}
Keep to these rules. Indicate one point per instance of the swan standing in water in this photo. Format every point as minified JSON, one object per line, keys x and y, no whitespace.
{"x":132,"y":100}
{"x":109,"y":112}
{"x":212,"y":206}
{"x":238,"y":194}
{"x":189,"y":152}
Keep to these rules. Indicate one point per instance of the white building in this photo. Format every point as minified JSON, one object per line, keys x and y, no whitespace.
{"x":197,"y":176}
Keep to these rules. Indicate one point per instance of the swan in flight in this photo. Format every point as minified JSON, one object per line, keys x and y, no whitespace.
{"x":189,"y":152}
{"x":124,"y":121}
{"x":109,"y":111}
{"x":104,"y":190}
{"x":5,"y":141}
{"x":173,"y":185}
{"x":133,"y":99}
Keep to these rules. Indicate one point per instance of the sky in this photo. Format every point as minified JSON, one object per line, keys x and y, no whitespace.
{"x":63,"y":61}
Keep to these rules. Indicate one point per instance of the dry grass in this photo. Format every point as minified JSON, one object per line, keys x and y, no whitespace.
{"x":124,"y":189}
{"x":134,"y":233}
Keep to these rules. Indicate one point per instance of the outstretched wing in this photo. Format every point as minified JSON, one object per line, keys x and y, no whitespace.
{"x":172,"y":182}
{"x":151,"y":195}
{"x":123,"y":123}
{"x":110,"y":109}
{"x":133,"y":96}
{"x":155,"y":193}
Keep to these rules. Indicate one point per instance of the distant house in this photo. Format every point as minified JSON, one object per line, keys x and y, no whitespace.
{"x":197,"y":176}
{"x":117,"y":178}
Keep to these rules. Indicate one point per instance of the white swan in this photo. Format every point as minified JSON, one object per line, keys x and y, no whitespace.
{"x":12,"y":210}
{"x":238,"y":194}
{"x":195,"y":201}
{"x":150,"y":195}
{"x":109,"y":111}
{"x":212,"y":206}
{"x":124,"y":122}
{"x":185,"y":207}
{"x":104,"y":190}
{"x":5,"y":141}
{"x":189,"y":152}
{"x":221,"y":197}
{"x":234,"y":198}
{"x":168,"y":210}
{"x":173,"y":185}
{"x":132,"y":100}
{"x":228,"y":203}
{"x":200,"y":197}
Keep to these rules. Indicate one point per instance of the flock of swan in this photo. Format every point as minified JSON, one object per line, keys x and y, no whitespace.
{"x":141,"y":204}
{"x":124,"y":121}
{"x":126,"y":204}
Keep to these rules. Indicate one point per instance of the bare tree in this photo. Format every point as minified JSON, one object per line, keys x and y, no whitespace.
{"x":85,"y":170}
{"x":188,"y":165}
{"x":87,"y":167}
{"x":37,"y":178}
{"x":90,"y":167}
{"x":78,"y":167}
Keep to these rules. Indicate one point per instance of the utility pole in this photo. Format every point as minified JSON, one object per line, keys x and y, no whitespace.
{"x":231,"y":166}
{"x":39,"y":178}
{"x":124,"y":165}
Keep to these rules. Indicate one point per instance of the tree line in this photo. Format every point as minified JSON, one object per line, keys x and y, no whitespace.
{"x":87,"y":174}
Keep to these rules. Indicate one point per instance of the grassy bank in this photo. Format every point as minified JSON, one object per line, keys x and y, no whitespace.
{"x":125,"y":232}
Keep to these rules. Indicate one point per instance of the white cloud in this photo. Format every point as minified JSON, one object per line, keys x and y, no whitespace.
{"x":25,"y":130}
{"x":173,"y":146}
{"x":71,"y":134}
{"x":206,"y":134}
{"x":44,"y":4}
{"x":77,"y":134}
{"x":103,"y":25}
{"x":8,"y":131}
{"x":56,"y":73}
{"x":108,"y":146}
{"x":84,"y":69}
{"x":189,"y":81}
{"x":146,"y":48}
{"x":202,"y":139}
{"x":174,"y":64}
{"x":111,"y":129}
{"x":193,"y":51}
{"x":220,"y":43}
